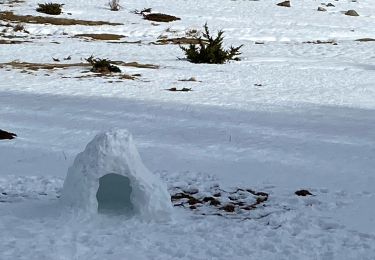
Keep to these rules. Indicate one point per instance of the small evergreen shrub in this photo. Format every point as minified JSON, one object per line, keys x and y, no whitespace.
{"x":114,"y":5}
{"x":210,"y":50}
{"x":50,"y":8}
{"x":103,"y":66}
{"x":19,"y":27}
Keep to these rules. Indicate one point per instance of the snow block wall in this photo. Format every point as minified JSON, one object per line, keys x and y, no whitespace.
{"x":109,"y":177}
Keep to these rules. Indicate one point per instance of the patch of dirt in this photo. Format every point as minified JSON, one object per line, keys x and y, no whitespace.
{"x":121,"y":77}
{"x":180,"y":40}
{"x":41,"y":66}
{"x":159,"y":17}
{"x":10,"y":16}
{"x":13,"y":2}
{"x":101,"y":36}
{"x":303,"y":193}
{"x":2,"y":41}
{"x":365,"y":40}
{"x":284,"y":4}
{"x":135,"y":42}
{"x":136,"y":65}
{"x":53,"y":66}
{"x":322,"y":42}
{"x":181,"y":90}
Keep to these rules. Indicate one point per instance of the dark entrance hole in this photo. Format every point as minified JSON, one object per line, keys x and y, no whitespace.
{"x":114,"y":194}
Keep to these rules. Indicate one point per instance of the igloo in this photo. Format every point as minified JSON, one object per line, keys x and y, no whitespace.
{"x":109,"y":177}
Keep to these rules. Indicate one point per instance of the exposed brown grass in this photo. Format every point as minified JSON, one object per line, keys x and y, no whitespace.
{"x":10,"y":16}
{"x":53,"y":66}
{"x":107,"y":76}
{"x":322,"y":42}
{"x":179,"y":41}
{"x":2,"y":41}
{"x":365,"y":40}
{"x":14,"y":2}
{"x":179,"y":90}
{"x":136,"y":65}
{"x":100,"y":36}
{"x":128,"y":42}
{"x":158,"y":17}
{"x":41,"y":66}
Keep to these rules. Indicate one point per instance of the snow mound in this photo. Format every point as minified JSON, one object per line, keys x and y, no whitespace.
{"x":109,"y":177}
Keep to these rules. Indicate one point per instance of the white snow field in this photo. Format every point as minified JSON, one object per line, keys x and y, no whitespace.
{"x":290,"y":115}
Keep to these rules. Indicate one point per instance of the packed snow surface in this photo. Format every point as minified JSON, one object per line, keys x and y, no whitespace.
{"x":293,"y":114}
{"x":114,"y":153}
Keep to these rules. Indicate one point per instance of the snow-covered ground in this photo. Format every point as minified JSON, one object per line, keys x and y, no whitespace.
{"x":290,"y":115}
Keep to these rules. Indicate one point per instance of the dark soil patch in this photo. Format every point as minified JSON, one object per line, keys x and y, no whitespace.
{"x":303,"y":193}
{"x":212,"y":201}
{"x":228,"y":208}
{"x":159,"y":17}
{"x":121,"y":77}
{"x":284,"y":4}
{"x":136,"y":65}
{"x":101,"y":36}
{"x":10,"y":16}
{"x":180,"y":40}
{"x":134,"y":42}
{"x":2,"y":41}
{"x":180,"y":90}
{"x":53,"y":66}
{"x":41,"y":66}
{"x":322,"y":42}
{"x":365,"y":40}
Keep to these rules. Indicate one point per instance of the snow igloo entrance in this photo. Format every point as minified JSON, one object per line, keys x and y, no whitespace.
{"x":113,"y":195}
{"x":109,"y":177}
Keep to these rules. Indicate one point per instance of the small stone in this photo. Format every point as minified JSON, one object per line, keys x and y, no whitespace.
{"x":213,"y":201}
{"x":179,"y":196}
{"x":6,"y":135}
{"x":303,"y":193}
{"x":228,"y":208}
{"x":321,"y":9}
{"x":284,"y":4}
{"x":193,"y":201}
{"x":351,"y":13}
